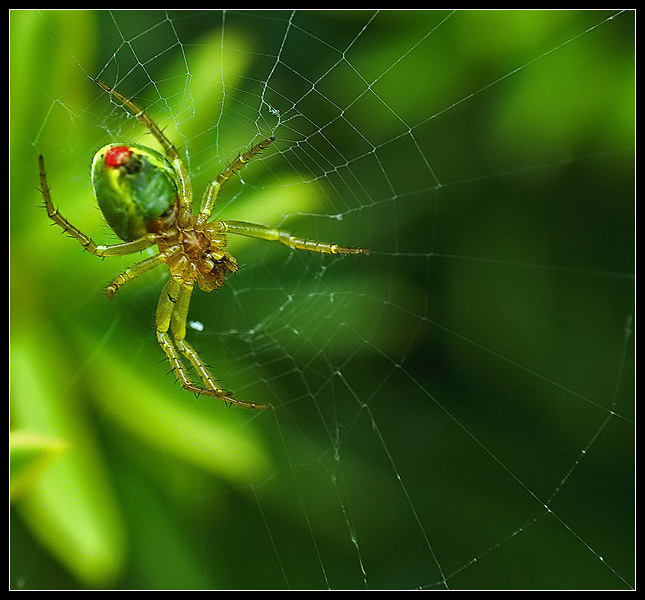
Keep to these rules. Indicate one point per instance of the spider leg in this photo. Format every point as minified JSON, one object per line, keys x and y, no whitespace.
{"x":185,"y":203}
{"x":110,"y":250}
{"x":277,"y":235}
{"x":172,"y":312}
{"x":134,"y":271}
{"x":214,"y":186}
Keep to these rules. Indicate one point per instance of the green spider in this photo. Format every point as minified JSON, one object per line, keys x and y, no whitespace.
{"x":146,"y":198}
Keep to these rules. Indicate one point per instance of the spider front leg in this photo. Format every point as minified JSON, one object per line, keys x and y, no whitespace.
{"x":172,"y":312}
{"x":277,"y":235}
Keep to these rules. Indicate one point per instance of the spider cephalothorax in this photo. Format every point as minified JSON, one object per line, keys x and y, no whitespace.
{"x":146,"y":199}
{"x":197,"y":254}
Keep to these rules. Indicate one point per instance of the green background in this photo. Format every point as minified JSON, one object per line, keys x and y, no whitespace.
{"x":454,"y":410}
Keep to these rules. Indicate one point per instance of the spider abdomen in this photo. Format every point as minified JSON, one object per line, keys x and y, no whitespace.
{"x":134,"y":187}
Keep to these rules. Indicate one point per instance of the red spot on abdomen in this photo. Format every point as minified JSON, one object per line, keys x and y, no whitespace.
{"x":116,"y":156}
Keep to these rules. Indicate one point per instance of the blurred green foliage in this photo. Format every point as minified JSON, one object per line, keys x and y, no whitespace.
{"x":499,"y":203}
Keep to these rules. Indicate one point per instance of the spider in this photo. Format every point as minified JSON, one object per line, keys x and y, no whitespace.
{"x":146,"y":198}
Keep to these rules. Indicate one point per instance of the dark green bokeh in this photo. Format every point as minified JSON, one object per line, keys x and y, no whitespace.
{"x":430,"y":398}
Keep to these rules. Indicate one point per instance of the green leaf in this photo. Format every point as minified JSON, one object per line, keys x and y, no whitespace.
{"x":30,"y":454}
{"x":71,"y":506}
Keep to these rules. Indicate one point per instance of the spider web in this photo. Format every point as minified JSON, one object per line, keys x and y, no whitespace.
{"x":454,"y":410}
